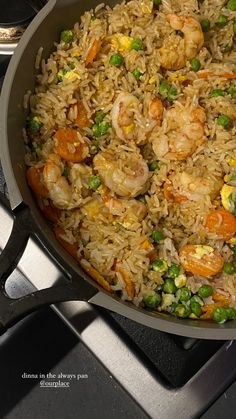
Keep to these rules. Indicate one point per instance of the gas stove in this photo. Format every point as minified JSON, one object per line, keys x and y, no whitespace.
{"x":77,"y":360}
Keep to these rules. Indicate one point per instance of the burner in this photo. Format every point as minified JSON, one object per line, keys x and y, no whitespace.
{"x":15,"y":13}
{"x":14,"y":18}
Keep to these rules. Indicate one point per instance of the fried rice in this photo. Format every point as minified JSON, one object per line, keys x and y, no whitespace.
{"x":123,"y":90}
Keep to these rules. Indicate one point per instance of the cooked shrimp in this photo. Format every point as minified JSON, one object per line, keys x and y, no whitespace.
{"x":155,"y":111}
{"x":194,"y":186}
{"x":70,"y":145}
{"x":63,"y":194}
{"x":129,"y":210}
{"x":122,"y":115}
{"x":129,"y":123}
{"x":176,"y":51}
{"x":182,"y":133}
{"x":123,"y":173}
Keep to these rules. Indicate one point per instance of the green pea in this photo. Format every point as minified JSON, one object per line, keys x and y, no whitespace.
{"x":196,"y":299}
{"x":93,"y":18}
{"x":137,"y":44}
{"x":154,"y":166}
{"x":169,"y":286}
{"x":222,"y":20}
{"x":224,"y":121}
{"x":231,"y":90}
{"x":157,"y":235}
{"x":184,"y":294}
{"x":234,"y":28}
{"x":233,"y":177}
{"x":217,"y":93}
{"x":157,"y":2}
{"x":93,"y":149}
{"x":229,"y":268}
{"x":231,"y":5}
{"x":101,"y":129}
{"x":141,"y":198}
{"x":94,"y":182}
{"x":34,"y":124}
{"x":227,"y":48}
{"x":116,"y":60}
{"x":205,"y":291}
{"x":164,"y":87}
{"x":67,"y":36}
{"x":84,"y":242}
{"x":65,"y":171}
{"x":182,"y":311}
{"x":233,"y":248}
{"x":159,"y":265}
{"x":96,"y":130}
{"x":173,"y":306}
{"x":173,"y":271}
{"x":205,"y":24}
{"x":99,"y":116}
{"x":71,"y":65}
{"x":196,"y":308}
{"x":220,"y":315}
{"x":104,"y":127}
{"x":61,"y":73}
{"x":172,"y":92}
{"x":152,"y":301}
{"x":137,"y":74}
{"x":195,"y":64}
{"x":231,"y":313}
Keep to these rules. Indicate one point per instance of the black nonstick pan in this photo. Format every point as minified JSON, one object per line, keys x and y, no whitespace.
{"x":28,"y":221}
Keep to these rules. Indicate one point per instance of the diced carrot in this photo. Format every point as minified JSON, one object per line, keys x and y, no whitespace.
{"x":222,"y":223}
{"x":202,"y":74}
{"x":69,"y":247}
{"x":217,"y":297}
{"x":128,"y":281}
{"x":95,"y":274}
{"x":168,"y":194}
{"x":66,"y":138}
{"x":199,"y":261}
{"x":146,"y":245}
{"x":93,"y":51}
{"x":82,"y":119}
{"x":208,"y":309}
{"x":34,"y":179}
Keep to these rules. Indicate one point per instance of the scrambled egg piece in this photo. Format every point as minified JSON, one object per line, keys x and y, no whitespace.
{"x":147,"y":6}
{"x":231,"y":162}
{"x":180,"y":281}
{"x":202,"y":250}
{"x":92,"y":208}
{"x":121,"y":42}
{"x":72,"y":74}
{"x":128,"y":128}
{"x":178,"y":77}
{"x":167,"y":300}
{"x":226,"y":195}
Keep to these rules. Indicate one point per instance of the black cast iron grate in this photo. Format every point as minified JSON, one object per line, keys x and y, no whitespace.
{"x":175,"y":359}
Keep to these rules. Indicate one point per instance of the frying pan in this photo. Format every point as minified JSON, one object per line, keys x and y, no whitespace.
{"x":28,"y":221}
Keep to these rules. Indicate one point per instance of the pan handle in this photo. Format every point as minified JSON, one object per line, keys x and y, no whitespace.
{"x":12,"y":310}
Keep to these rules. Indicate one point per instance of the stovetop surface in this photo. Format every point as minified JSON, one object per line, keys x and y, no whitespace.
{"x":42,"y":344}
